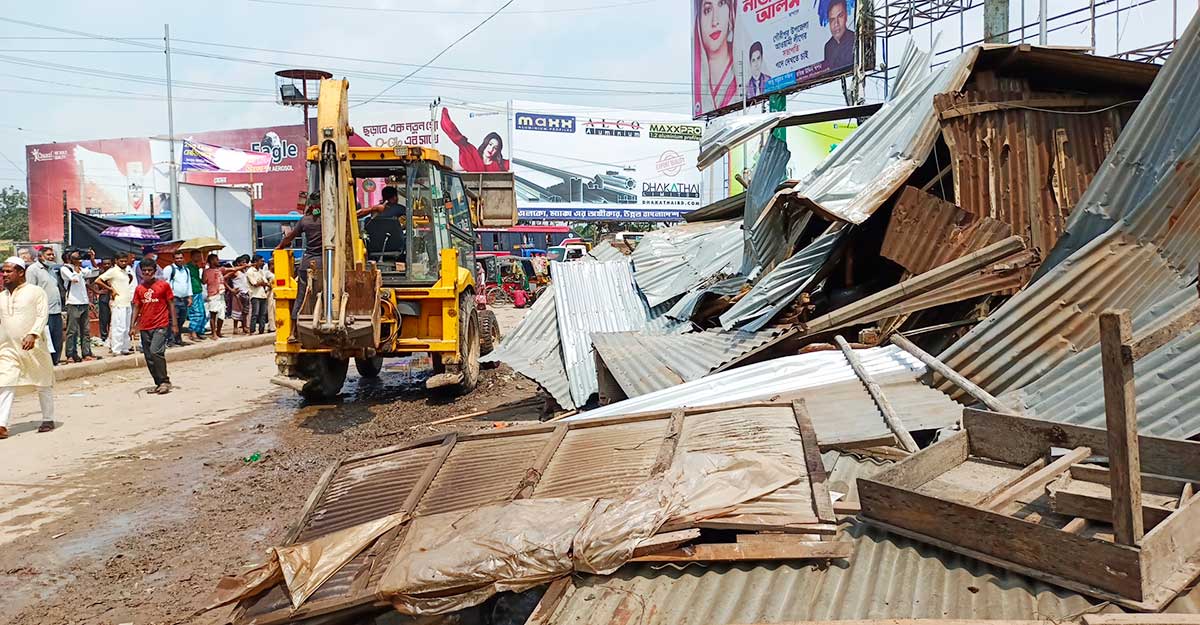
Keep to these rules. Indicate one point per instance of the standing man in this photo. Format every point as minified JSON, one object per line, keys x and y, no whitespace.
{"x":196,"y":316}
{"x":117,"y":285}
{"x":79,"y":334}
{"x":103,"y":301}
{"x":260,"y":290}
{"x":154,"y":315}
{"x":24,"y":355}
{"x":38,"y":274}
{"x":309,"y":226}
{"x":181,"y":285}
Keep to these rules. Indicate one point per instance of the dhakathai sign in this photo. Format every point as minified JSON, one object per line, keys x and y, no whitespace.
{"x":744,"y":50}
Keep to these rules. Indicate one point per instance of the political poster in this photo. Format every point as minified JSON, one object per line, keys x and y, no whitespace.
{"x":581,"y":164}
{"x":745,"y":50}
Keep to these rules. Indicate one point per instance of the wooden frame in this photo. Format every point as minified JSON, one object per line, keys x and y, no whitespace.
{"x":1143,"y":576}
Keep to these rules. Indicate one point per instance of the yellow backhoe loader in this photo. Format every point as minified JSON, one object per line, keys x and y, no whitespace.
{"x":395,"y":284}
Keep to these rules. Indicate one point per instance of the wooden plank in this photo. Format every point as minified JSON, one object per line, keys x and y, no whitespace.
{"x":846,"y":508}
{"x":764,"y":523}
{"x":666,"y":452}
{"x":1185,"y":494}
{"x":740,"y":552}
{"x":1071,"y":503}
{"x":435,"y":465}
{"x":1056,"y":556}
{"x":885,"y":407}
{"x":817,"y":479}
{"x":665,"y":542}
{"x":1141,"y":619}
{"x":1020,"y":440}
{"x":988,"y":107}
{"x":917,"y":469}
{"x":945,"y":371}
{"x":533,"y":474}
{"x":1151,"y":483}
{"x":544,"y":611}
{"x":1120,"y":415}
{"x":1075,"y":526}
{"x":1033,"y":467}
{"x":1171,"y":551}
{"x":1146,"y":344}
{"x":1038,"y":478}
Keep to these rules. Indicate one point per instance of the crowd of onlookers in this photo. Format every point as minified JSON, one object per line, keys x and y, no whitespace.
{"x":205,"y":292}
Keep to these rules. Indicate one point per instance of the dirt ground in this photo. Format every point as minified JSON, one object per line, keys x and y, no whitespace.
{"x":132,"y":510}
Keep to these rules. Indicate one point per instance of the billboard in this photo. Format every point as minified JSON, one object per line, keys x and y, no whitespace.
{"x":748,"y":49}
{"x":570,"y":163}
{"x":129,"y":176}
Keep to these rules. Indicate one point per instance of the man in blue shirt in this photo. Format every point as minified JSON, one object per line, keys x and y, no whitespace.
{"x":180,"y":280}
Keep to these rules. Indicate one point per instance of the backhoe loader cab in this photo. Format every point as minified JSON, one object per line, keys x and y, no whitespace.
{"x":397,"y":280}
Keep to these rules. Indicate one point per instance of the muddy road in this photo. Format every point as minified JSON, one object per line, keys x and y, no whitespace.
{"x":132,"y":510}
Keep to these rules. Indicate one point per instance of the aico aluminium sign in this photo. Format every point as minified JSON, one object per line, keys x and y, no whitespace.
{"x":545,"y":123}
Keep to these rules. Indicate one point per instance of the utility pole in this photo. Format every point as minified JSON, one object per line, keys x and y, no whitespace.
{"x":1042,"y":11}
{"x":171,"y":134}
{"x":995,"y":21}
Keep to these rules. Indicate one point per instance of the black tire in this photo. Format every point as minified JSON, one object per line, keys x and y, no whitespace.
{"x":489,"y":332}
{"x":369,"y":367}
{"x":468,"y":343}
{"x":325,"y":375}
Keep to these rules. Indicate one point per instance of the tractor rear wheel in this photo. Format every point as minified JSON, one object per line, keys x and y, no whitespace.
{"x":468,"y":343}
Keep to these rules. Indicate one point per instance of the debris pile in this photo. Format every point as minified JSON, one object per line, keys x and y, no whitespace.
{"x":954,"y":366}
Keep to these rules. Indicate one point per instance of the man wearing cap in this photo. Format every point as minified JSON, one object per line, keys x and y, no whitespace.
{"x":24,"y":355}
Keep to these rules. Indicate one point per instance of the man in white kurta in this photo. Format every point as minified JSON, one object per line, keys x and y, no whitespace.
{"x":24,"y":355}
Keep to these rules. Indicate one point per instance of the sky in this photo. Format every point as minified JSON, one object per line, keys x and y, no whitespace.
{"x":105,"y":78}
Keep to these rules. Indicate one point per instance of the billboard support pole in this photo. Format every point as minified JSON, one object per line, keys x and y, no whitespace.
{"x":171,"y":133}
{"x":995,"y":21}
{"x":1042,"y":14}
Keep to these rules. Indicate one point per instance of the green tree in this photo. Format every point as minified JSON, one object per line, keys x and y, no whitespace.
{"x":14,"y":214}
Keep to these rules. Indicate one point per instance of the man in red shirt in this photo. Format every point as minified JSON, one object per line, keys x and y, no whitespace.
{"x":154,"y":315}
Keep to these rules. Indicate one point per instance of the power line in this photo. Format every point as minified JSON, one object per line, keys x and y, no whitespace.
{"x":131,"y":42}
{"x":319,"y":5}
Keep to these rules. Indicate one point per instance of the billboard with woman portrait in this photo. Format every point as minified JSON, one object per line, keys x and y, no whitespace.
{"x":745,"y":50}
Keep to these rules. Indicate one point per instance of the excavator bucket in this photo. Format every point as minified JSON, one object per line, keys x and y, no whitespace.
{"x":494,"y":198}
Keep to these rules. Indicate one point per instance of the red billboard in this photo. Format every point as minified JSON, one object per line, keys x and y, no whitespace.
{"x":131,"y":176}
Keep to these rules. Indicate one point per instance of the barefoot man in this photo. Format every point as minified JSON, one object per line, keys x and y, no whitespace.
{"x":24,"y":355}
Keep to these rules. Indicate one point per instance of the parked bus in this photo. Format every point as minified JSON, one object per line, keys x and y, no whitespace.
{"x":509,"y":240}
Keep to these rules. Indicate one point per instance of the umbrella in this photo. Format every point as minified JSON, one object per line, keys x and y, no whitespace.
{"x":130,"y":232}
{"x":203,"y":244}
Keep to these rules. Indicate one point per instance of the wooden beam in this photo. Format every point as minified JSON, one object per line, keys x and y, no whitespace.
{"x":533,"y":474}
{"x":738,"y":552}
{"x":1075,"y":526}
{"x":1147,"y":343}
{"x":1150,"y":482}
{"x":822,"y":503}
{"x":1076,"y":504}
{"x":1120,"y":413}
{"x":666,"y":451}
{"x":431,"y":470}
{"x":1037,"y":479}
{"x":945,"y":371}
{"x":665,"y":542}
{"x":1030,"y":469}
{"x":768,"y":523}
{"x":542,"y":614}
{"x":1141,"y":619}
{"x":988,"y":107}
{"x":917,"y":469}
{"x":885,"y":407}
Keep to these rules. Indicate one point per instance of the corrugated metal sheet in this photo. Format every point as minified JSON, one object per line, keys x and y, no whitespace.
{"x":686,"y":306}
{"x":644,"y":363}
{"x":592,"y":297}
{"x":606,"y":461}
{"x":1148,"y":256}
{"x":1025,"y":167}
{"x":605,"y":252}
{"x":738,"y":129}
{"x":728,"y":208}
{"x":779,"y":288}
{"x":533,"y":349}
{"x":880,"y":156}
{"x":926,"y":231}
{"x":1166,"y":383}
{"x":479,"y":472}
{"x":838,"y":402}
{"x":670,"y":262}
{"x":769,"y":228}
{"x":887,"y":577}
